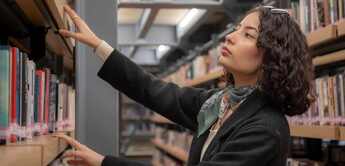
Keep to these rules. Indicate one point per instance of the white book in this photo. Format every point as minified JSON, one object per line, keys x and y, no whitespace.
{"x":60,"y":107}
{"x":71,"y":108}
{"x":31,"y":96}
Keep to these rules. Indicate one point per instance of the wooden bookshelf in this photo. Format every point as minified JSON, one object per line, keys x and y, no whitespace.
{"x":39,"y":15}
{"x":342,"y":133}
{"x":38,"y":151}
{"x":203,"y":79}
{"x":62,"y":21}
{"x":321,"y":132}
{"x":322,"y":35}
{"x":329,"y":58}
{"x":340,"y":27}
{"x":172,"y":150}
{"x":20,"y":44}
{"x":141,"y":149}
{"x":156,"y":118}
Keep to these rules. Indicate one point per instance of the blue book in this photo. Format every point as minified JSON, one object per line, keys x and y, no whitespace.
{"x":4,"y":90}
{"x":37,"y":92}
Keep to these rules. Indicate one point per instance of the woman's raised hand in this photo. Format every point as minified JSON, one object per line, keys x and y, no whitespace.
{"x":84,"y":34}
{"x":82,"y":155}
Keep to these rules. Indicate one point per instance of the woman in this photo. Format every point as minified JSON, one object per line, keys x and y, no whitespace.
{"x":269,"y":74}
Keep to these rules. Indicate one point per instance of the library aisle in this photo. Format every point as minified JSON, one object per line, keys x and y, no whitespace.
{"x":49,"y":83}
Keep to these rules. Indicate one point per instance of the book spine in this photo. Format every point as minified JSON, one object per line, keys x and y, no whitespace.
{"x":5,"y":91}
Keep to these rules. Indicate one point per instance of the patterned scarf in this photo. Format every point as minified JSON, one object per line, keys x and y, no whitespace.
{"x":214,"y":106}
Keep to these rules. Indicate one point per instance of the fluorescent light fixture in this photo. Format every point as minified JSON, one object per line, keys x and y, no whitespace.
{"x":189,"y":20}
{"x":162,"y":50}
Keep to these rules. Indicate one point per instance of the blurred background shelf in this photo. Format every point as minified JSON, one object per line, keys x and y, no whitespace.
{"x":318,"y":132}
{"x":172,"y":150}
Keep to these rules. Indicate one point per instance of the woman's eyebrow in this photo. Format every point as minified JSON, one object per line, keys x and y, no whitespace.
{"x":251,"y":28}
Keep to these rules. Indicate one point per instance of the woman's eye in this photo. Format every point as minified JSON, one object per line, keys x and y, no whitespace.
{"x":248,"y":35}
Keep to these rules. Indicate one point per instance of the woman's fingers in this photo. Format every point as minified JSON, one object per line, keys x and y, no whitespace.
{"x":84,"y":34}
{"x":79,"y":22}
{"x":67,"y":33}
{"x":76,"y":154}
{"x":71,"y":12}
{"x":70,"y":141}
{"x":76,"y":162}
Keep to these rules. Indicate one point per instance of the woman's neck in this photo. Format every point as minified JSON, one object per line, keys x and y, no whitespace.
{"x":245,"y":80}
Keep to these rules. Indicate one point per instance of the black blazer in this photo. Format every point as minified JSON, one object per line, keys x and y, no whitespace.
{"x":255,"y":134}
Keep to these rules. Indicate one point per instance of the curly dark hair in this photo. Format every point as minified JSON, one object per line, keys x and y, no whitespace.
{"x":287,"y":72}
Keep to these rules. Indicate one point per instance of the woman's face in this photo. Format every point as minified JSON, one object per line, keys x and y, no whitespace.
{"x":239,"y":53}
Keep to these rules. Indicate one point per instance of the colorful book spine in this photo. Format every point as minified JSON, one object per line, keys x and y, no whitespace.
{"x":5,"y":91}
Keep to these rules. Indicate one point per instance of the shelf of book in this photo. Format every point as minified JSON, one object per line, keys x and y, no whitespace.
{"x":63,"y":22}
{"x":329,"y":58}
{"x":340,"y":27}
{"x":19,"y":44}
{"x":341,"y":133}
{"x":40,"y":150}
{"x":172,"y":150}
{"x":321,"y":132}
{"x":40,"y":15}
{"x":39,"y":100}
{"x":322,"y":35}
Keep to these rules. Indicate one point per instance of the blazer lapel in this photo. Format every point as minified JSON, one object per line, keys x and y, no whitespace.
{"x":249,"y":107}
{"x":196,"y":147}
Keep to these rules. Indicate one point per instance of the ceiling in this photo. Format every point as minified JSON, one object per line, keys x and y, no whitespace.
{"x":164,"y":17}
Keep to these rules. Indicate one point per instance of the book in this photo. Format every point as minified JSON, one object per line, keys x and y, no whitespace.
{"x":5,"y":90}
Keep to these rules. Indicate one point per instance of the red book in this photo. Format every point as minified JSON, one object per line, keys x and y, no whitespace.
{"x":13,"y":93}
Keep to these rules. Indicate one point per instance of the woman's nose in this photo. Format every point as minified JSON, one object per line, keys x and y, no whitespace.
{"x":229,"y":38}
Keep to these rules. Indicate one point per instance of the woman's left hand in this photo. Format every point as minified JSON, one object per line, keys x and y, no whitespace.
{"x":82,"y":155}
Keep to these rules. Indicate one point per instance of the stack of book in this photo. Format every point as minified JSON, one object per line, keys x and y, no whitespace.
{"x":302,"y":162}
{"x":329,"y":108}
{"x":199,"y":67}
{"x":313,"y":14}
{"x":32,"y":100}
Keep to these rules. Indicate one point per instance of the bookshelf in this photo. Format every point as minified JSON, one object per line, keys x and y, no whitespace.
{"x":306,"y":131}
{"x":42,"y":14}
{"x":341,"y":133}
{"x":341,"y":27}
{"x":333,"y":57}
{"x":136,"y":131}
{"x":42,"y":148}
{"x":322,"y":35}
{"x":320,"y":132}
{"x":19,"y":44}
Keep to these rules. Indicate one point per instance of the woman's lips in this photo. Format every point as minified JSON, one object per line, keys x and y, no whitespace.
{"x":225,"y":51}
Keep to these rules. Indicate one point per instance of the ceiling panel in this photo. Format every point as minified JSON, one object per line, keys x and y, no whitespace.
{"x":129,"y":16}
{"x":170,"y":16}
